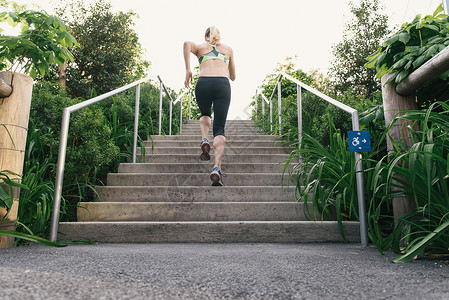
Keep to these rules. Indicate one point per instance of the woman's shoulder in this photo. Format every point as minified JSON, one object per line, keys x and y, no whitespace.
{"x":225,"y":48}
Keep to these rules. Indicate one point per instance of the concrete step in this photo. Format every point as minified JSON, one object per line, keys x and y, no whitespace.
{"x":199,"y":168}
{"x":227,"y":158}
{"x":194,"y":179}
{"x":231,"y":137}
{"x":234,"y":130}
{"x":195,"y":193}
{"x":228,"y":122}
{"x":197,"y":143}
{"x":229,"y":150}
{"x":188,"y":211}
{"x":227,"y":127}
{"x":209,"y":232}
{"x":227,"y":133}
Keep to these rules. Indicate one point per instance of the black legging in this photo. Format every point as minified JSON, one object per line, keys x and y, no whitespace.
{"x":214,"y":91}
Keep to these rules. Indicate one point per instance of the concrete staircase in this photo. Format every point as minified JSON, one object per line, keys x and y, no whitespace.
{"x":169,"y":198}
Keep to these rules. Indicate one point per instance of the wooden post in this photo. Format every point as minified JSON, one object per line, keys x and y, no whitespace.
{"x":394,"y":104}
{"x":14,"y":115}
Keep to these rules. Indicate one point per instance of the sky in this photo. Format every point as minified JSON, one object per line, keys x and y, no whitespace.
{"x":261,"y":33}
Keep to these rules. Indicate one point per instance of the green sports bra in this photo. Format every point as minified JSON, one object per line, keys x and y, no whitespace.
{"x":213,"y":54}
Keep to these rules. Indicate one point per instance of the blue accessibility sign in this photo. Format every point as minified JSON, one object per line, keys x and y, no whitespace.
{"x":359,"y":141}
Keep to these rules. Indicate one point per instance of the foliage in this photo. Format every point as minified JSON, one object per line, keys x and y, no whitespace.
{"x":367,"y":28}
{"x":43,"y":41}
{"x":90,"y":150}
{"x":36,"y":201}
{"x":195,"y":112}
{"x":39,"y":240}
{"x":326,"y":172}
{"x":326,"y":177}
{"x":315,"y":111}
{"x":410,"y":47}
{"x":89,"y":146}
{"x":109,"y":54}
{"x":289,"y":99}
{"x":422,"y":173}
{"x":6,"y":189}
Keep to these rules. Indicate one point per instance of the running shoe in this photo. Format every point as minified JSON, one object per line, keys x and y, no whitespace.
{"x":217,"y":177}
{"x":205,"y":148}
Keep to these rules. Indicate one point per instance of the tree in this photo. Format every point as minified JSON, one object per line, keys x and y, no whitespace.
{"x":109,"y":54}
{"x":363,"y":34}
{"x":43,"y":41}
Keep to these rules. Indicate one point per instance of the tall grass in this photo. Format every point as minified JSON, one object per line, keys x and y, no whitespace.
{"x":420,"y":172}
{"x":326,"y":178}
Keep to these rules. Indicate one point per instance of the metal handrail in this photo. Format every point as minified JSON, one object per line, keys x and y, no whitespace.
{"x":63,"y":145}
{"x":179,"y":98}
{"x":355,"y":126}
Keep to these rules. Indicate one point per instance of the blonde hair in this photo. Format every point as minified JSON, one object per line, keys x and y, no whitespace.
{"x":213,"y":35}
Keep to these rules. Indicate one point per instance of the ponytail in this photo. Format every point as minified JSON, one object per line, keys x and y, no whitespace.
{"x":213,"y":35}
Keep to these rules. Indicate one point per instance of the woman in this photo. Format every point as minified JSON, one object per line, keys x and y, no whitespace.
{"x":213,"y":88}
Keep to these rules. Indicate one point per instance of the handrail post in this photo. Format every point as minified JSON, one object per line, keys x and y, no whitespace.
{"x":171,"y":111}
{"x":180,"y":115}
{"x":360,"y":186}
{"x":160,"y":107}
{"x":279,"y":106}
{"x":136,"y":122}
{"x":271,"y":114}
{"x":299,"y":96}
{"x":257,"y":99}
{"x":59,"y":175}
{"x":190,"y":100}
{"x":263,"y":112}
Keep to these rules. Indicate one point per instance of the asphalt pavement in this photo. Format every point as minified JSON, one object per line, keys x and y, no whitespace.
{"x":217,"y":271}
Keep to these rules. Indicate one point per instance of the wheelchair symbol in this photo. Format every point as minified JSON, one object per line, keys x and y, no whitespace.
{"x":355,"y":141}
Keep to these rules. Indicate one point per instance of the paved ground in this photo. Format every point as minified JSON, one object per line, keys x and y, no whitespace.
{"x":216,"y":271}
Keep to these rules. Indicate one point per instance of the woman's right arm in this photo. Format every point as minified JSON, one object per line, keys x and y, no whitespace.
{"x":231,"y":66}
{"x":189,"y":47}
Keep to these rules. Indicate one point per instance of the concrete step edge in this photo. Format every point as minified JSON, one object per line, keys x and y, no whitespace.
{"x":191,"y":211}
{"x":195,"y":193}
{"x":210,"y":232}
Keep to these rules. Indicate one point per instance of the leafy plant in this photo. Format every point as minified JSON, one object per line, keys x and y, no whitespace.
{"x":6,"y":189}
{"x":36,"y":201}
{"x":39,"y":240}
{"x":422,"y":173}
{"x":43,"y":41}
{"x":411,"y":46}
{"x":326,"y":177}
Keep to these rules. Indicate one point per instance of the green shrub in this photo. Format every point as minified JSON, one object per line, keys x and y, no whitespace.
{"x":90,"y":149}
{"x":409,"y":48}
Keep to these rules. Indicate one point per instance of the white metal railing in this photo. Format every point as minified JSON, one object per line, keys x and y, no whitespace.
{"x":65,"y":130}
{"x":179,"y":98}
{"x":355,"y":126}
